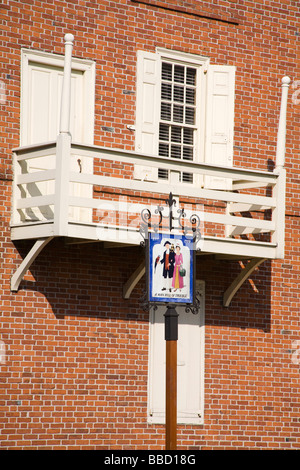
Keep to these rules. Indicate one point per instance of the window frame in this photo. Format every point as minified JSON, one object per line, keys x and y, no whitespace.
{"x":215,"y":120}
{"x":200,"y":63}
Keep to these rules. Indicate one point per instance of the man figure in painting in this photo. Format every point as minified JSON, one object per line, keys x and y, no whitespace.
{"x":177,"y":282}
{"x":168,"y":266}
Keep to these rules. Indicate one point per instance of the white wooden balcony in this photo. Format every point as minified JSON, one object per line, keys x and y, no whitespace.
{"x":90,"y":193}
{"x":246,"y":221}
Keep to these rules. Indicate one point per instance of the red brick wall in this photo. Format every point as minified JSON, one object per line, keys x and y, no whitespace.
{"x":75,"y":371}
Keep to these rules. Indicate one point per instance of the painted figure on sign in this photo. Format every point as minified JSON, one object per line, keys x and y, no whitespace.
{"x":168,"y":265}
{"x":177,"y":282}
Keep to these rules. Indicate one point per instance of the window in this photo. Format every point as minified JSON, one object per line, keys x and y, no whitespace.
{"x":185,"y":111}
{"x":177,"y":115}
{"x":190,"y":365}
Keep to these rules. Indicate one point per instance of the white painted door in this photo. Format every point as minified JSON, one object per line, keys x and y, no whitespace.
{"x":190,"y":365}
{"x":40,"y":115}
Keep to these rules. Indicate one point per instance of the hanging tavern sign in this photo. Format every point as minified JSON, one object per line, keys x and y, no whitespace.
{"x":170,"y":254}
{"x":171,"y":268}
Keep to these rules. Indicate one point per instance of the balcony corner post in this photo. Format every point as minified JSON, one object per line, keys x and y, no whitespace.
{"x":278,"y":236}
{"x":63,"y":147}
{"x":66,"y":87}
{"x":280,"y":151}
{"x":62,"y":182}
{"x":279,"y":190}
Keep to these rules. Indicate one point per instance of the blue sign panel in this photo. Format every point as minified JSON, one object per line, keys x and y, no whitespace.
{"x":171,"y":268}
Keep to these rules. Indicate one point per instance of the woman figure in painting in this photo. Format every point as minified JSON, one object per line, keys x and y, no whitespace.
{"x":177,"y":282}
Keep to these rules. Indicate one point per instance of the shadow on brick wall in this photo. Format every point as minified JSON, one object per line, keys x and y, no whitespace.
{"x":88,"y":279}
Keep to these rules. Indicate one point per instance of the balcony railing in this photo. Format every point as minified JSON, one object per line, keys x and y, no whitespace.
{"x":54,"y":196}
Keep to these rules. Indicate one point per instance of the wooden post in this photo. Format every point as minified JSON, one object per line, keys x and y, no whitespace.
{"x":280,"y":151}
{"x":171,"y":337}
{"x":66,"y":87}
{"x":279,"y":191}
{"x":63,"y":150}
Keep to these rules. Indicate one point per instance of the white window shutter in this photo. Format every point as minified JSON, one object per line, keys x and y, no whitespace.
{"x":219,"y":121}
{"x":148,"y":102}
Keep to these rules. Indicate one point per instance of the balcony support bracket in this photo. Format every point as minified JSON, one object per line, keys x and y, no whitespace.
{"x":27,"y":262}
{"x":240,"y":279}
{"x":133,"y":280}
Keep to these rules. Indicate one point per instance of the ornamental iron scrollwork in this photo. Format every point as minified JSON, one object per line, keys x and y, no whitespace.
{"x":147,"y":224}
{"x":195,"y":308}
{"x":175,"y":220}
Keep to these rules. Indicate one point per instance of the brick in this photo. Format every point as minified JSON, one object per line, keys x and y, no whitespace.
{"x":75,"y":375}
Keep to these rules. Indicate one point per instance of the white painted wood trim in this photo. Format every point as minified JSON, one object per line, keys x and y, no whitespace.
{"x":219,"y":122}
{"x":35,"y":201}
{"x":66,"y":86}
{"x":186,"y":188}
{"x":238,"y":185}
{"x":175,"y":164}
{"x":281,"y":136}
{"x":279,"y":213}
{"x":184,"y":57}
{"x":263,"y":201}
{"x":121,"y":235}
{"x":165,"y":188}
{"x":61,"y":204}
{"x":238,"y":247}
{"x":87,"y":67}
{"x":240,"y":230}
{"x":35,"y":151}
{"x":33,"y":231}
{"x":260,"y":224}
{"x":45,"y":175}
{"x":252,"y":207}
